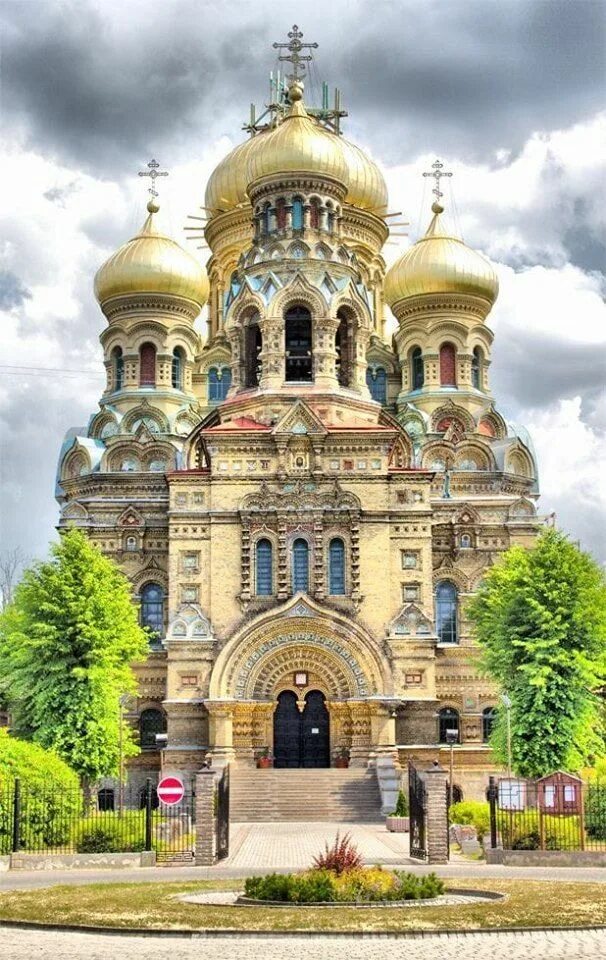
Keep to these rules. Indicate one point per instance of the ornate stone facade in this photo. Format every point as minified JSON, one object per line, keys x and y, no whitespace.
{"x":299,"y":504}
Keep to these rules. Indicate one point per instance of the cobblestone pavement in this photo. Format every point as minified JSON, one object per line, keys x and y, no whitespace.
{"x":294,"y":845}
{"x":47,"y":945}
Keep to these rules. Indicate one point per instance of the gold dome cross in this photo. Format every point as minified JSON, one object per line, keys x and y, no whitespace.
{"x":153,"y":172}
{"x":438,"y":173}
{"x":294,"y":56}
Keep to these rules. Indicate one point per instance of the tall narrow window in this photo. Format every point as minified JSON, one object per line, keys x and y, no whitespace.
{"x":281,"y":214}
{"x":219,"y":382}
{"x":476,"y":367}
{"x":336,"y":567}
{"x":263,"y":563}
{"x":252,"y":356}
{"x":330,"y":219}
{"x":448,"y":362}
{"x":377,"y":384}
{"x":265,"y":219}
{"x":345,"y":347}
{"x":147,"y":365}
{"x":151,"y":722}
{"x":489,"y":718}
{"x":448,"y":719}
{"x":300,"y":566}
{"x":446,"y":612}
{"x":177,"y":369}
{"x":314,"y":214}
{"x":152,"y":608}
{"x":298,"y":345}
{"x":118,"y":365}
{"x":418,"y":372}
{"x":297,"y":214}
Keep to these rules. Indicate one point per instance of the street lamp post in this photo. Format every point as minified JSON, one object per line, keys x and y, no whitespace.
{"x":452,"y":737}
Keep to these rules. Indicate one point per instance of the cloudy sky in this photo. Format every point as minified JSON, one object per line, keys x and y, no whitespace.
{"x":507,"y":92}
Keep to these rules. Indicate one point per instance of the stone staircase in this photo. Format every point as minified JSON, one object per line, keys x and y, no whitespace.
{"x":328,"y":795}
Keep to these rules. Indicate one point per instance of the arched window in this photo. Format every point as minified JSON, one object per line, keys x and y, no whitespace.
{"x":177,"y":369}
{"x":418,"y":370}
{"x":147,"y":365}
{"x":446,"y":612}
{"x":263,"y":568}
{"x":118,"y":367}
{"x":336,"y":567}
{"x":132,"y":544}
{"x":129,"y":464}
{"x":448,"y":365}
{"x":297,"y":213}
{"x":448,"y":719}
{"x":314,"y":214}
{"x":219,"y":382}
{"x":466,"y":543}
{"x":330,"y":218}
{"x":300,"y":566}
{"x":281,"y":214}
{"x":377,"y":384}
{"x":105,"y":799}
{"x":265,"y":219}
{"x":476,"y":368}
{"x":152,"y":608}
{"x":489,"y":718}
{"x":151,"y":722}
{"x":344,"y":346}
{"x":297,"y":323}
{"x":252,"y":355}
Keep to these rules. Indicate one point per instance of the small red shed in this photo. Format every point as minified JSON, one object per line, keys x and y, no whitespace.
{"x":560,"y":793}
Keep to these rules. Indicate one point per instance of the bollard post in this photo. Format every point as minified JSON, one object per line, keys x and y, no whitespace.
{"x":148,"y":814}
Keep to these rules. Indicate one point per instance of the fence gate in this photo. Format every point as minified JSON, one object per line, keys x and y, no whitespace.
{"x":417,"y":804}
{"x":174,"y":828}
{"x":223,"y":815}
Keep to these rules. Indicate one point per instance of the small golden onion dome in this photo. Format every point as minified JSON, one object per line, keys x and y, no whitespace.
{"x":366,"y":187}
{"x":297,"y":144}
{"x":152,"y":263}
{"x":440,"y":263}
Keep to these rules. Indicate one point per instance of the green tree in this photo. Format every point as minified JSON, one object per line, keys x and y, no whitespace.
{"x":540,"y":616}
{"x":67,"y":642}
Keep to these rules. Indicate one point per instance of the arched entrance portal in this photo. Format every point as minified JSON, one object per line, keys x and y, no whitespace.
{"x":301,"y":737}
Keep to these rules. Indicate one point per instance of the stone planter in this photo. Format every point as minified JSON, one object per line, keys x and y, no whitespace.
{"x":265,"y":763}
{"x":341,"y":763}
{"x":397,"y":824}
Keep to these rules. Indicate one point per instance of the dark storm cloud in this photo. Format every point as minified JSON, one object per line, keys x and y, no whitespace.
{"x":12,"y":291}
{"x":565,"y":370}
{"x":459,"y":78}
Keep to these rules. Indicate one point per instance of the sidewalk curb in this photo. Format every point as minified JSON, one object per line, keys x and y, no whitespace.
{"x":228,"y":932}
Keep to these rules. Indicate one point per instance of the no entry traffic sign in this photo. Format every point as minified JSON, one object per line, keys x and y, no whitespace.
{"x":170,"y":791}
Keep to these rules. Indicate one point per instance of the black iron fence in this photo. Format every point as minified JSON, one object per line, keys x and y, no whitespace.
{"x":555,"y":813}
{"x":129,"y":819}
{"x":417,"y":805}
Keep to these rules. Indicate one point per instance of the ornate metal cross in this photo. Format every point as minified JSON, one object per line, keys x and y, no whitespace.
{"x":437,"y":174}
{"x":153,"y":172}
{"x":294,"y":56}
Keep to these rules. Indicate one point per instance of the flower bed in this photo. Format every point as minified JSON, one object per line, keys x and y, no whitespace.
{"x":355,"y":886}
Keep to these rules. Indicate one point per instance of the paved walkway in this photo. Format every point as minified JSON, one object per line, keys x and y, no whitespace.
{"x":294,"y":845}
{"x":575,"y":945}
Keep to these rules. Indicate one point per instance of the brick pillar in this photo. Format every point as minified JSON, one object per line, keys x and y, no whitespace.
{"x":206,"y":820}
{"x":436,"y":814}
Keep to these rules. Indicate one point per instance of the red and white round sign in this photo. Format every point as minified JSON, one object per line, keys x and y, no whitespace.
{"x":170,"y":791}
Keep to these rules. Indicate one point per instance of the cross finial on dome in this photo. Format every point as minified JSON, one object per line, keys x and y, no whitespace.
{"x":294,"y":47}
{"x":438,"y":173}
{"x":153,"y":172}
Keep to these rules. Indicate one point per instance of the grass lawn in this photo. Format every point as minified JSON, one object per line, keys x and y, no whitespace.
{"x":529,"y":903}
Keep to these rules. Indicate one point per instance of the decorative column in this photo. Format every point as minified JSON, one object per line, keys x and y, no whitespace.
{"x":360,"y":732}
{"x":246,"y":588}
{"x":283,"y":579}
{"x":221,"y":729}
{"x":237,"y":367}
{"x":272,"y":369}
{"x":325,"y":353}
{"x":319,"y":578}
{"x":359,"y":362}
{"x":383,"y":727}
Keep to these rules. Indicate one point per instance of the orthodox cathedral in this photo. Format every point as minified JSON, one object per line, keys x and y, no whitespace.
{"x":302,"y":504}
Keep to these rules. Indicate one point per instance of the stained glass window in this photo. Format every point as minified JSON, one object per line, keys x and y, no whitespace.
{"x":336,"y":567}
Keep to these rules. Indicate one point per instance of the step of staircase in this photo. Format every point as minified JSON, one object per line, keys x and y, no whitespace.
{"x":326,"y":795}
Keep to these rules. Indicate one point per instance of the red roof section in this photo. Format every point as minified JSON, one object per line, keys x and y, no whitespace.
{"x":238,"y":423}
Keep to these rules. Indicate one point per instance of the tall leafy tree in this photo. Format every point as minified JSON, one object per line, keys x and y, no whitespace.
{"x":67,"y":642}
{"x":540,"y":616}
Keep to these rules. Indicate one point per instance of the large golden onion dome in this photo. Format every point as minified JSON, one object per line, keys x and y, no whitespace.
{"x":440,"y":263}
{"x":152,"y":263}
{"x":298,"y":144}
{"x":228,"y":183}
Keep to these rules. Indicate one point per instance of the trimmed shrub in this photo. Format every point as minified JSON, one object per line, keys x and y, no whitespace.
{"x":473,"y":813}
{"x":595,"y":810}
{"x":402,"y":808}
{"x":110,"y":833}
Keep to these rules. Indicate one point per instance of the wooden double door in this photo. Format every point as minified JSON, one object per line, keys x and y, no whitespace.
{"x":301,"y":738}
